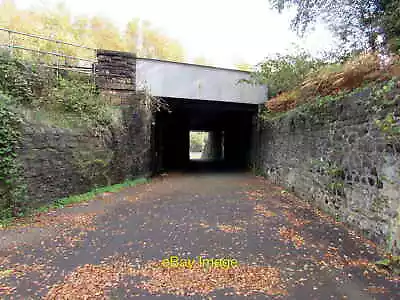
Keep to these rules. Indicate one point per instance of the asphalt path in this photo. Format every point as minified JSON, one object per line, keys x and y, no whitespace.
{"x":191,"y":236}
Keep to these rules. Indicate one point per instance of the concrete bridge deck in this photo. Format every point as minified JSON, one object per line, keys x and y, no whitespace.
{"x":189,"y":81}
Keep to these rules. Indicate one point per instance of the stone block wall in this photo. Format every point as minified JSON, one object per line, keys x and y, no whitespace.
{"x":60,"y":162}
{"x":53,"y":161}
{"x":336,"y":157}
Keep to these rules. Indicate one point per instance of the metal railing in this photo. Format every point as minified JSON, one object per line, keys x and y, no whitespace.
{"x":77,"y":64}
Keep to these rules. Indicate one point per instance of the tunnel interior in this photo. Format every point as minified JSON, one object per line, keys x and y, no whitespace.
{"x":228,"y":126}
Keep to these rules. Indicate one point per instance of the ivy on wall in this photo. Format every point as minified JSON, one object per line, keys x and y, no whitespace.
{"x":12,"y":189}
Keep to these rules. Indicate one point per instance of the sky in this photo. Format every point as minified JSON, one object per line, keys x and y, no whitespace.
{"x":225,"y":32}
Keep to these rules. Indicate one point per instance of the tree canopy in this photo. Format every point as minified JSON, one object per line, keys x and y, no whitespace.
{"x":360,"y":24}
{"x":96,"y":32}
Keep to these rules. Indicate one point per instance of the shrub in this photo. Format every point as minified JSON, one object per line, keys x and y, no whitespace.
{"x":66,"y":97}
{"x":12,"y":190}
{"x":16,"y":79}
{"x":331,"y":79}
{"x":335,"y":79}
{"x":78,"y":97}
{"x":284,"y":102}
{"x":284,"y":72}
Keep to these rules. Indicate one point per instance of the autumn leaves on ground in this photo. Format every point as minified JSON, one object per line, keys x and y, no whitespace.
{"x":113,"y":247}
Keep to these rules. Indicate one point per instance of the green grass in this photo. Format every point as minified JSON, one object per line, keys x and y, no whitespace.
{"x":78,"y":198}
{"x":90,"y":195}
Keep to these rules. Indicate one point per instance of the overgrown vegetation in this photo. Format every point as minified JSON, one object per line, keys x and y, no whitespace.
{"x":390,"y":125}
{"x":35,"y":94}
{"x":324,"y":82}
{"x":284,"y":72}
{"x":71,"y":98}
{"x":31,"y":93}
{"x":369,"y":45}
{"x":12,"y":189}
{"x":19,"y":80}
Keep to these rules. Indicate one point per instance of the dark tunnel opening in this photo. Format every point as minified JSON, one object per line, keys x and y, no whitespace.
{"x":228,"y":126}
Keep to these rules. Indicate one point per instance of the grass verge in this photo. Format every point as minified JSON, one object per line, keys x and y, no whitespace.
{"x":76,"y":199}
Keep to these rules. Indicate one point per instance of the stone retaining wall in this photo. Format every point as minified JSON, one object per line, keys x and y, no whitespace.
{"x":336,"y":157}
{"x":62,"y":162}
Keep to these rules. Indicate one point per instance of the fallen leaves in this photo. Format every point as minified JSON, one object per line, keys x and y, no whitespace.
{"x":74,"y":241}
{"x":94,"y":281}
{"x":204,"y":225}
{"x":377,"y":290}
{"x":294,"y":221}
{"x":324,"y":216}
{"x":259,"y":209}
{"x":332,"y":258}
{"x":229,"y":228}
{"x":181,"y":224}
{"x":243,"y":279}
{"x":19,"y":270}
{"x":255,"y":195}
{"x":80,"y":221}
{"x":88,"y":282}
{"x":52,"y":219}
{"x":291,"y":235}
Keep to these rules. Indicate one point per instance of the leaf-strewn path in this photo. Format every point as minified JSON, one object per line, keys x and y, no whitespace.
{"x":111,"y":248}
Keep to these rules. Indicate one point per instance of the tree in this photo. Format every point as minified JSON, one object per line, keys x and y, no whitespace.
{"x":97,"y":32}
{"x":283,"y":72}
{"x":153,"y":43}
{"x":157,"y":45}
{"x":197,"y":141}
{"x":391,"y":23}
{"x":105,"y":35}
{"x":131,"y":35}
{"x":360,"y":24}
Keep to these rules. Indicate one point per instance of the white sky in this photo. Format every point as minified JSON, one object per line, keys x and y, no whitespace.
{"x":223,"y":31}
